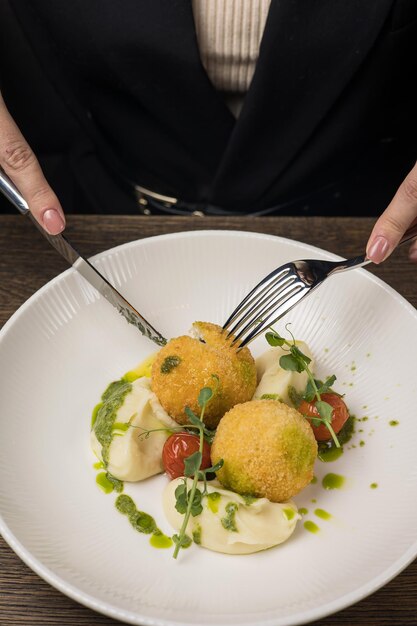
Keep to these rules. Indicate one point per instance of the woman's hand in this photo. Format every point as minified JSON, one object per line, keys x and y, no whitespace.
{"x":400,"y":214}
{"x":21,"y":165}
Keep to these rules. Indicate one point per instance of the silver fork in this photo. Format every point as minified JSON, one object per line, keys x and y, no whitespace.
{"x":282,"y":289}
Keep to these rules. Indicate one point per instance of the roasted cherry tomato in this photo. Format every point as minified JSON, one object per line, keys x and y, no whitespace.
{"x":177,"y":448}
{"x":339,"y":415}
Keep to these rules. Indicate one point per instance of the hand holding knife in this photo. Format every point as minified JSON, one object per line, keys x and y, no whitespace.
{"x":83,"y":266}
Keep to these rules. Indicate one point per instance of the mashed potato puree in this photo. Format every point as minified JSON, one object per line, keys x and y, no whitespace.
{"x":273,"y":380}
{"x":131,"y":455}
{"x":231,"y":523}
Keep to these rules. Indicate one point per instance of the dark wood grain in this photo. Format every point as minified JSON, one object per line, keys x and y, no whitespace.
{"x":27,"y":263}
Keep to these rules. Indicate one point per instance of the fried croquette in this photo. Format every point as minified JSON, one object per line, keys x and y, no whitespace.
{"x":186,"y":364}
{"x":268,"y":450}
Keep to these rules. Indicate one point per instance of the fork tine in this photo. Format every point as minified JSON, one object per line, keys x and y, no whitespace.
{"x":263,"y":283}
{"x":296,"y":297}
{"x":259,"y":302}
{"x":261,"y":322}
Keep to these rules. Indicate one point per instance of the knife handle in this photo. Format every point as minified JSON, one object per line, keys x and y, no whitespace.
{"x":9,"y":189}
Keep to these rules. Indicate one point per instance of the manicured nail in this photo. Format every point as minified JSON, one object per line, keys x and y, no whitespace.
{"x":53,"y":222}
{"x":379,"y":250}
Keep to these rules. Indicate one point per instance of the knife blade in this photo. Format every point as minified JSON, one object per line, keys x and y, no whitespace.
{"x":83,"y":266}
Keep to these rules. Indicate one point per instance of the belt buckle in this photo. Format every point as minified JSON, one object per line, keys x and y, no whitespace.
{"x":143,"y":195}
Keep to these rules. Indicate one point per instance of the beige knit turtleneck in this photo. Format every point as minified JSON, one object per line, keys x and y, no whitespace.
{"x":229,"y":34}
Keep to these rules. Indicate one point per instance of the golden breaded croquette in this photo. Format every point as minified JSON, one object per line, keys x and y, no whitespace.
{"x":186,"y":364}
{"x":268,"y":449}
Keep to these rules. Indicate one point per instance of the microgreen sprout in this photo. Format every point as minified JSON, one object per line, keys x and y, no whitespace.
{"x":297,"y":361}
{"x":188,"y":501}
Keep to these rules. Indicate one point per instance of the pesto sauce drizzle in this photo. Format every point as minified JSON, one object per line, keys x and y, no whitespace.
{"x":197,"y":535}
{"x":327,"y":450}
{"x":105,"y":427}
{"x":112,"y":400}
{"x":142,"y":522}
{"x":229,"y":521}
{"x":117,"y":484}
{"x":170,"y":362}
{"x":248,"y":498}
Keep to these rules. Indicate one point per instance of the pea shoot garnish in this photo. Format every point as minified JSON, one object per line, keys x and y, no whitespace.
{"x":297,"y":361}
{"x":188,"y":501}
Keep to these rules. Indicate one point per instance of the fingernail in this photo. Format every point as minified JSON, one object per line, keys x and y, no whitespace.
{"x":413,"y":256}
{"x":379,"y":250}
{"x":53,"y":222}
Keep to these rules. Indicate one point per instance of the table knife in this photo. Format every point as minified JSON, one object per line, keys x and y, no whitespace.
{"x":83,"y":267}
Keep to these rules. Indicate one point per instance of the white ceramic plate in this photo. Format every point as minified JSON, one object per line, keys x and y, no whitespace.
{"x":62,"y":348}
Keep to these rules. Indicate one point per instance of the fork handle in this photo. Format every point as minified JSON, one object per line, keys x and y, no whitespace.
{"x":409,"y":234}
{"x":362,"y":260}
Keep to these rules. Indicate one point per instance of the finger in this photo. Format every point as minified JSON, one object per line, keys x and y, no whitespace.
{"x":397,"y":217}
{"x":20,"y":164}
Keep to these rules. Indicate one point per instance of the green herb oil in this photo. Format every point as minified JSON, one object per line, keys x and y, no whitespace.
{"x":271,"y":396}
{"x":333,"y":481}
{"x":109,"y":483}
{"x":289,"y":514}
{"x":104,"y":484}
{"x":213,"y":501}
{"x":311,"y":527}
{"x":95,"y":412}
{"x":160,"y":541}
{"x":144,"y":369}
{"x":322,"y":514}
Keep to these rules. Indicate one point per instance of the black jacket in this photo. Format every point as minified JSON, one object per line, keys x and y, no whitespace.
{"x":112,"y":93}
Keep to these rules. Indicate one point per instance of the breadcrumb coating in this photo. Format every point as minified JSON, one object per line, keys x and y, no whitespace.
{"x":186,"y":364}
{"x":268,"y":449}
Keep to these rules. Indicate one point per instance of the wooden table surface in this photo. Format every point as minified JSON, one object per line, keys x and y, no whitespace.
{"x":27,"y":262}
